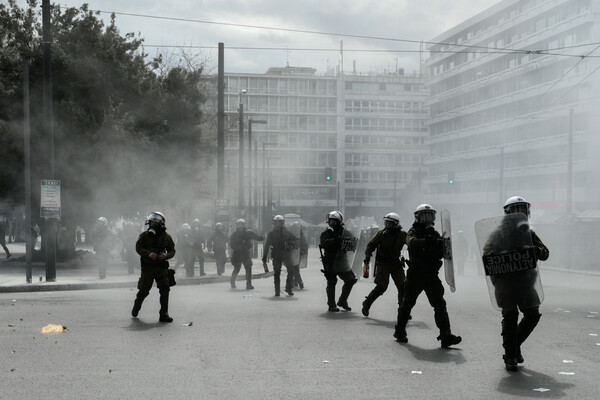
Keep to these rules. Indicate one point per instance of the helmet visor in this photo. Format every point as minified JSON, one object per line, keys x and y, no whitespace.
{"x":426,"y":217}
{"x":522,"y":208}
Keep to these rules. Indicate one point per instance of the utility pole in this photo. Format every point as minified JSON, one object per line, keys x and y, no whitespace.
{"x":49,"y":239}
{"x":27,"y":170}
{"x":241,"y":158}
{"x":221,"y":125}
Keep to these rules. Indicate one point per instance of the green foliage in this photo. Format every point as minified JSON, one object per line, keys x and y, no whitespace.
{"x":127,"y":131}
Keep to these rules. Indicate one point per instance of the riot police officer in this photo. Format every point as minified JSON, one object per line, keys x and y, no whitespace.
{"x":278,"y":248}
{"x":217,"y":243}
{"x":103,"y":240}
{"x":425,"y":248}
{"x":336,"y":245}
{"x":185,"y":249}
{"x":516,"y":291}
{"x":198,"y":245}
{"x":155,"y":246}
{"x":389,"y":243}
{"x":240,"y":242}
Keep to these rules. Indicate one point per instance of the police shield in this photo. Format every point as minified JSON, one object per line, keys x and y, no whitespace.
{"x":345,"y":254}
{"x":291,"y":247}
{"x":361,"y":247}
{"x":448,"y":261}
{"x":303,"y":247}
{"x":509,"y":261}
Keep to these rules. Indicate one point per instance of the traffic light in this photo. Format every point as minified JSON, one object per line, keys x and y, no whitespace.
{"x":328,"y":174}
{"x":451,"y":177}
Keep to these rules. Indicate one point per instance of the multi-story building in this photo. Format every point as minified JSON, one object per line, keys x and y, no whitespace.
{"x":353,"y":142}
{"x":507,"y":87}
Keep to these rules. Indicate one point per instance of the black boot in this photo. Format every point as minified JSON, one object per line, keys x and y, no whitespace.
{"x":370,"y":299}
{"x":330,"y":290}
{"x":137,"y":304}
{"x":400,"y":328}
{"x":449,"y":340}
{"x":400,"y":334}
{"x":509,"y":339}
{"x":164,"y":306}
{"x":524,"y":329}
{"x":249,"y":279}
{"x":346,"y":289}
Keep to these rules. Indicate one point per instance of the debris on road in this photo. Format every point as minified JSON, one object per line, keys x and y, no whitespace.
{"x":51,"y":328}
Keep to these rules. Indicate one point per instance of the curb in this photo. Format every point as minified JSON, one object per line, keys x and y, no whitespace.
{"x":56,"y":286}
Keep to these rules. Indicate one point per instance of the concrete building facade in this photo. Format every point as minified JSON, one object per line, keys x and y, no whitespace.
{"x":366,"y":132}
{"x":506,"y":89}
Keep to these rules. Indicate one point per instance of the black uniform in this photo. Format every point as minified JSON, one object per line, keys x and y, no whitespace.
{"x":240,"y":242}
{"x":218,"y":244}
{"x":331,"y":245}
{"x":275,"y":245}
{"x":425,"y":248}
{"x":154,"y":270}
{"x":198,"y":248}
{"x":514,"y":292}
{"x":389,"y":244}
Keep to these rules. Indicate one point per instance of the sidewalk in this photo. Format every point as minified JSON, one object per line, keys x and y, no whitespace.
{"x":70,"y":276}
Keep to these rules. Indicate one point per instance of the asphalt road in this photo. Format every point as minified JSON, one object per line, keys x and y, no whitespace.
{"x":252,"y":345}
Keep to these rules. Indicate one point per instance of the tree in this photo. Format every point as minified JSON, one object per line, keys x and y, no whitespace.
{"x":127,"y":128}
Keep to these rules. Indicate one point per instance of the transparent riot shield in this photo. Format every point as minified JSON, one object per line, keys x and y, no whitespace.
{"x":509,"y":261}
{"x":448,"y":261}
{"x":361,"y":246}
{"x":291,"y":246}
{"x":303,"y":248}
{"x":345,"y":255}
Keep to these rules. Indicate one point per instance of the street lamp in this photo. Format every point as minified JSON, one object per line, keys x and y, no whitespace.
{"x":241,"y":156}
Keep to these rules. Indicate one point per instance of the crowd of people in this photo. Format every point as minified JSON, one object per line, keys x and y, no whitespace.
{"x":510,"y":251}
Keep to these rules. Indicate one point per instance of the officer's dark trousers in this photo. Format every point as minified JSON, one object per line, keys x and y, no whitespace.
{"x":277,"y":275}
{"x":433,"y":288}
{"x":147,"y":278}
{"x":349,"y":280}
{"x":382,"y":281}
{"x":297,"y":278}
{"x":237,"y":265}
{"x":199,"y":253}
{"x":513,"y":334}
{"x":220,"y":259}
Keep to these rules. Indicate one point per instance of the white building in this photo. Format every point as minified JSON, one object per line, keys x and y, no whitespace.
{"x":367,"y":132}
{"x":502,"y":85}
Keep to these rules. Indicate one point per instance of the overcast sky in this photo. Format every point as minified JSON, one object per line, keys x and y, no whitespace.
{"x":397,"y":19}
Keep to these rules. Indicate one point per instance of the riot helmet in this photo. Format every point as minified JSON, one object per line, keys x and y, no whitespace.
{"x":155,"y":220}
{"x":517,"y":204}
{"x":219,"y":226}
{"x":335,"y":218}
{"x":391,"y":221}
{"x":186,"y":227}
{"x":102,"y":221}
{"x":196,"y":223}
{"x":278,"y":221}
{"x":425,"y":214}
{"x":240,"y":224}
